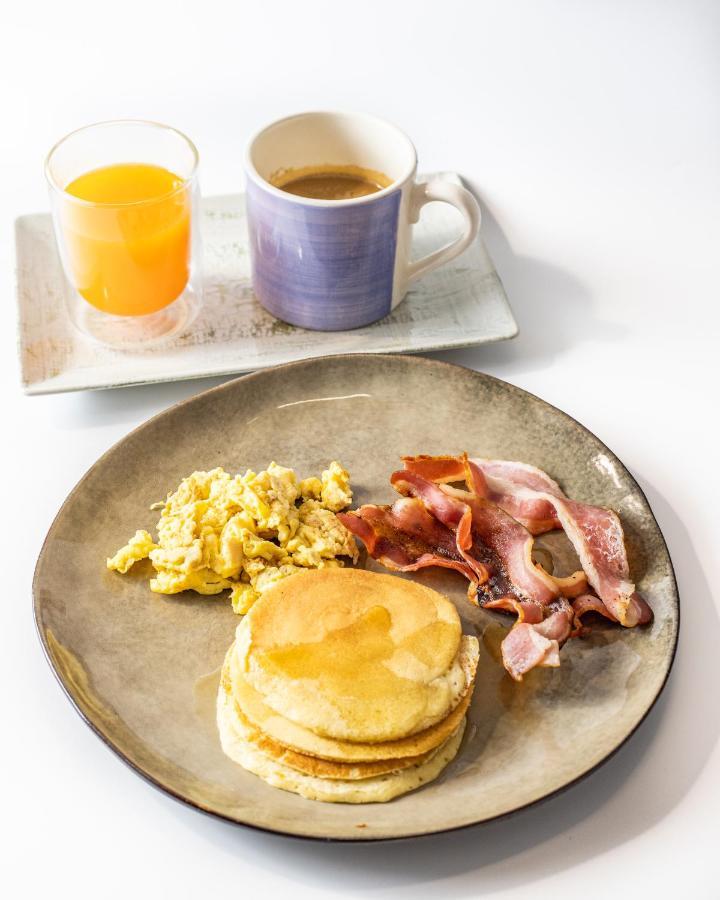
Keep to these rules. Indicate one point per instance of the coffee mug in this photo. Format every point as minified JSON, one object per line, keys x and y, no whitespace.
{"x":331,"y":265}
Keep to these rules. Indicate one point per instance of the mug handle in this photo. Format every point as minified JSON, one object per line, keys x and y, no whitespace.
{"x":459,"y":197}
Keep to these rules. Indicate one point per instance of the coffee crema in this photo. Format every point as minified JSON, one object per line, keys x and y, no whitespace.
{"x":330,"y":182}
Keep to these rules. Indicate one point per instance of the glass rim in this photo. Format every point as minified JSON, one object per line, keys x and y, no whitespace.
{"x":129,"y":203}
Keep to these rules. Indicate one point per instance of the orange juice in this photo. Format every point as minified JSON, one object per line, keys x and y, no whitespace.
{"x":128,"y":243}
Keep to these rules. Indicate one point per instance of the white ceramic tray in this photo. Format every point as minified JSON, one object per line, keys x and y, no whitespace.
{"x":459,"y":305}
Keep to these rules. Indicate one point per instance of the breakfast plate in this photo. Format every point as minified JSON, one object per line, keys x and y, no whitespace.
{"x":461,"y":304}
{"x":143,"y":669}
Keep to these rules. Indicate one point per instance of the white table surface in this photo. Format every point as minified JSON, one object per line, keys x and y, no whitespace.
{"x":591,"y":133}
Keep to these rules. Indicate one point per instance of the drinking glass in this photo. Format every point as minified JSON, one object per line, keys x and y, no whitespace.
{"x":131,"y":253}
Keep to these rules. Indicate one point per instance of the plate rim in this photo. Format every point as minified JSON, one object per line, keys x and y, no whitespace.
{"x":364,"y":838}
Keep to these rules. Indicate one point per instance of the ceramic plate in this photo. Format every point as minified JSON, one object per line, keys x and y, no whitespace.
{"x":142,"y":669}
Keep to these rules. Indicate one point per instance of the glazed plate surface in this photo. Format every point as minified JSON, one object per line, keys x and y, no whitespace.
{"x":142,"y":669}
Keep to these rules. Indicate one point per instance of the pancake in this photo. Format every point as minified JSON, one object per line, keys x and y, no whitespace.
{"x":301,"y":762}
{"x":377,"y":789}
{"x":250,"y":705}
{"x":353,"y":655}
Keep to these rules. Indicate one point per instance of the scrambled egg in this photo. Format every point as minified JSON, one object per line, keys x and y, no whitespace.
{"x":244,"y":532}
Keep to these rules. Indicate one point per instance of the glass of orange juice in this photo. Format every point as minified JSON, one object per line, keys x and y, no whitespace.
{"x":125,"y":200}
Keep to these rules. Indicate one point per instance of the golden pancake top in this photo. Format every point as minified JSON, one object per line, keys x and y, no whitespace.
{"x":353,"y":655}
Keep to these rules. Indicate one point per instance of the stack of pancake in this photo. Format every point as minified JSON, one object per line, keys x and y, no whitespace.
{"x":347,"y":686}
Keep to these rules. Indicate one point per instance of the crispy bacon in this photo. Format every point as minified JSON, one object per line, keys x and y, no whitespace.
{"x":489,"y":535}
{"x":513,"y":486}
{"x":485,"y":531}
{"x":405,"y":537}
{"x":534,"y":499}
{"x":595,"y":533}
{"x":505,"y":546}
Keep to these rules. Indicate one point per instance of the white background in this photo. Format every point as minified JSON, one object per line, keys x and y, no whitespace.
{"x":591,"y":133}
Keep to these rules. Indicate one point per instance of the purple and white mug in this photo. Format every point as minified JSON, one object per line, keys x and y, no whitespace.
{"x":330,"y":265}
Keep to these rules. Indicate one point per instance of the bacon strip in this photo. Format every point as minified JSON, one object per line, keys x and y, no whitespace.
{"x":504,"y":546}
{"x":525,"y":610}
{"x":595,"y":533}
{"x":533,"y":498}
{"x":452,"y":512}
{"x":486,"y":532}
{"x":489,"y":535}
{"x":405,"y":537}
{"x":585,"y":604}
{"x":516,"y":584}
{"x":529,"y":645}
{"x":515,"y":487}
{"x":524,"y":648}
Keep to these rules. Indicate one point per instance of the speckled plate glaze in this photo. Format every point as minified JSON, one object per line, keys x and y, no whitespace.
{"x":142,"y":669}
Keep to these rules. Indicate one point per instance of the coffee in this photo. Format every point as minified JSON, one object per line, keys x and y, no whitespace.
{"x":330,"y":182}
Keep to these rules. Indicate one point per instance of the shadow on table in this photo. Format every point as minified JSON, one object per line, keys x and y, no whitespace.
{"x":553,"y":309}
{"x":637,"y":788}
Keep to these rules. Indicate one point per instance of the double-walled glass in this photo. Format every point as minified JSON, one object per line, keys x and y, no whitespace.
{"x":125,"y":201}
